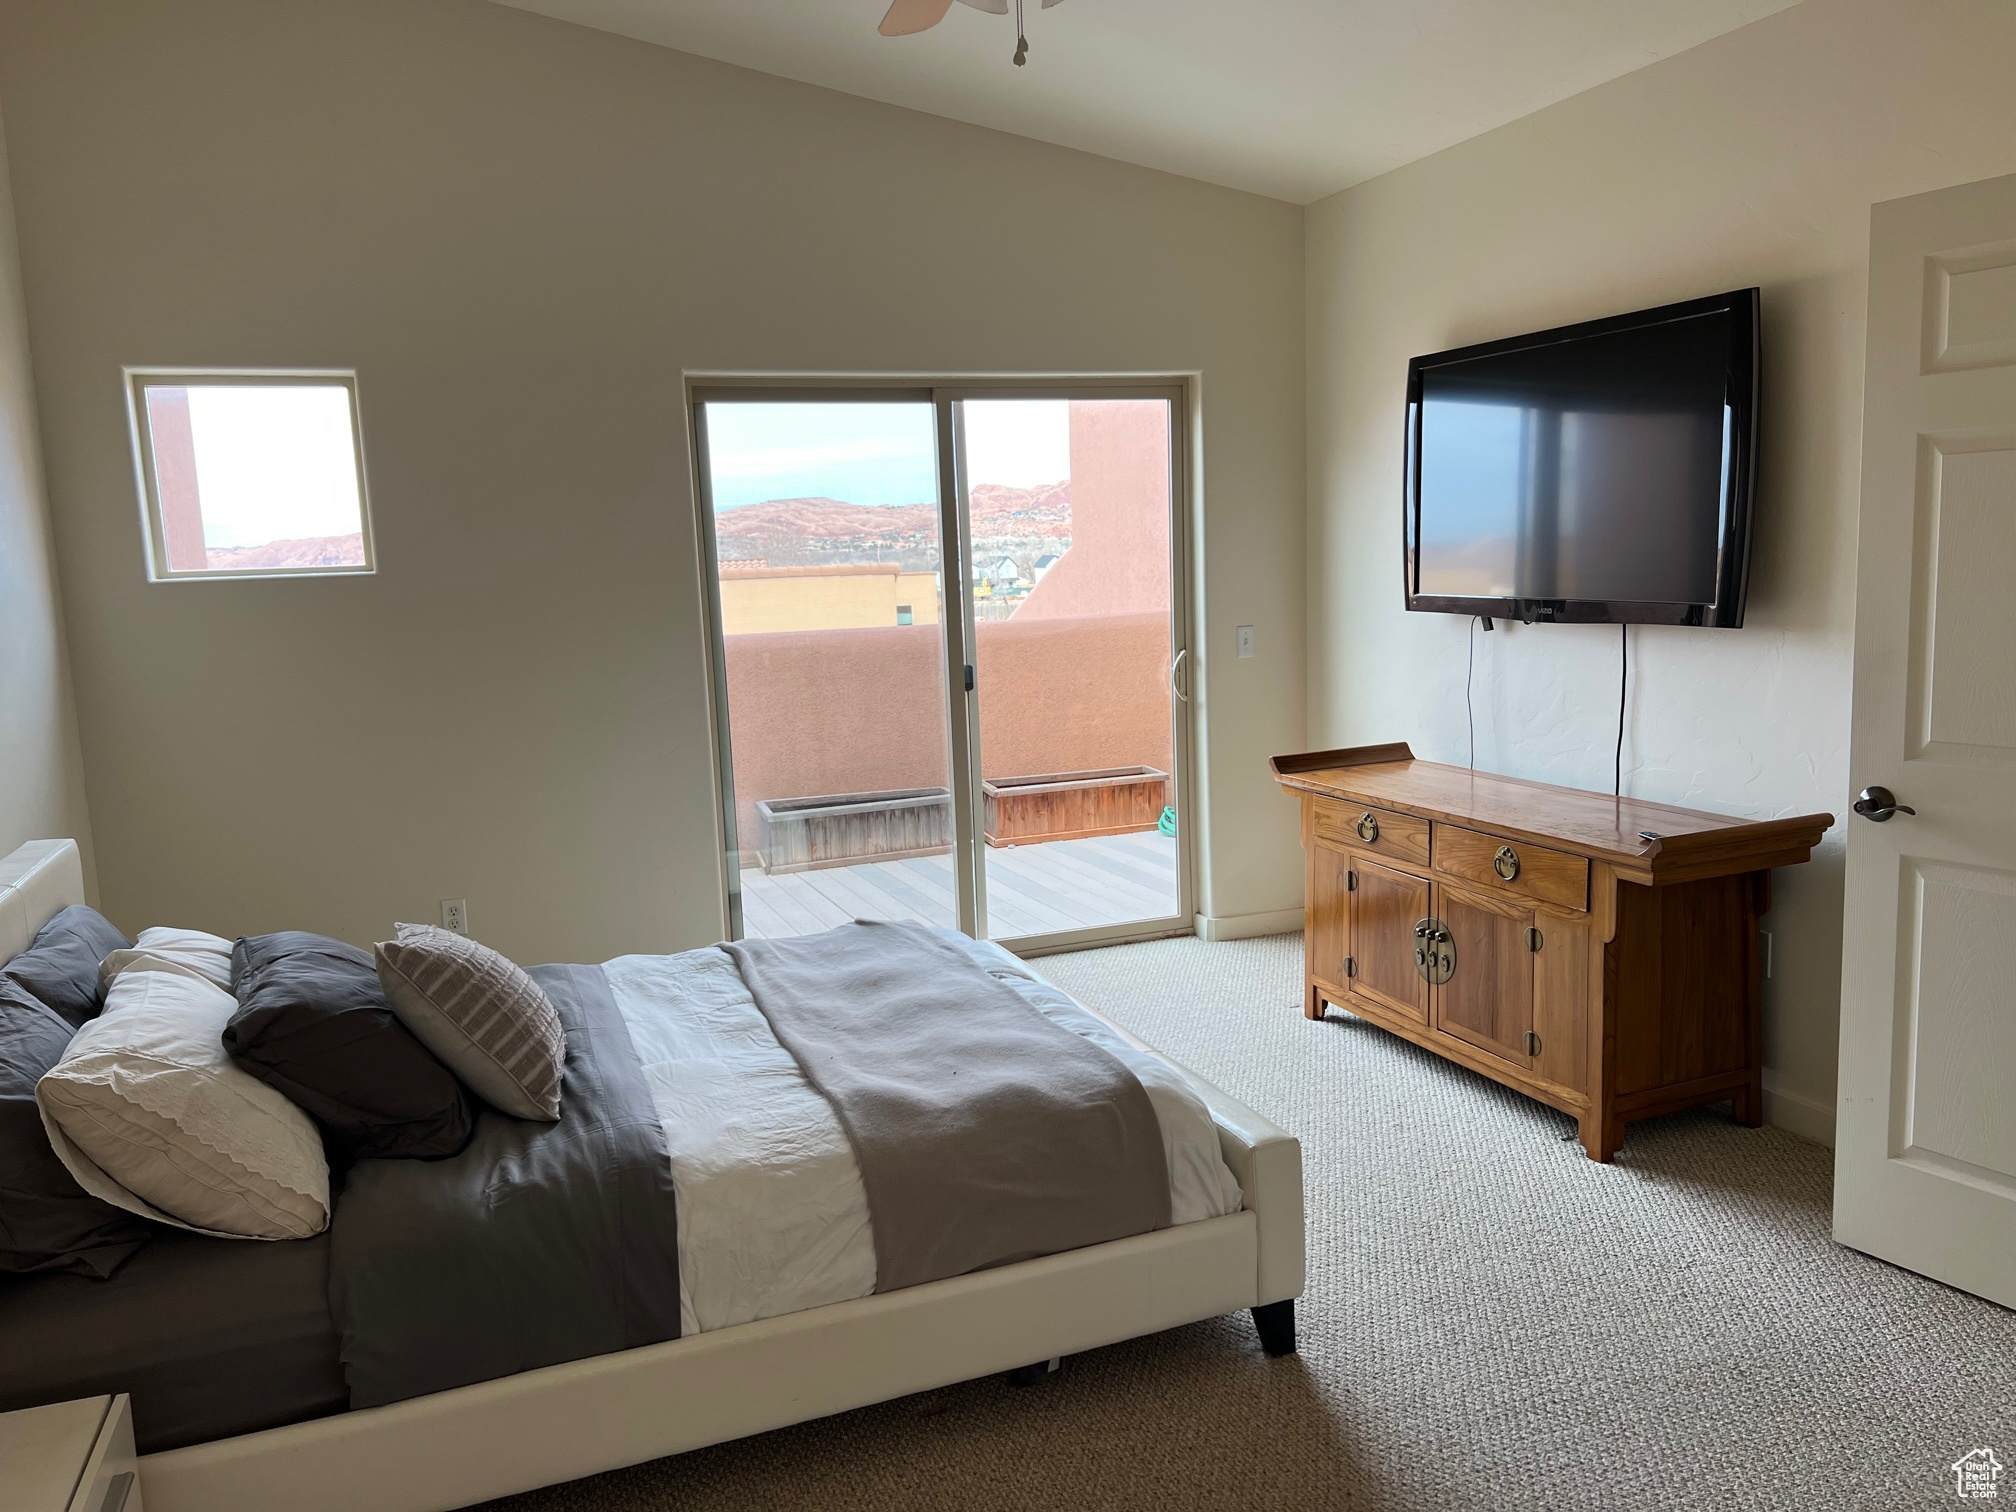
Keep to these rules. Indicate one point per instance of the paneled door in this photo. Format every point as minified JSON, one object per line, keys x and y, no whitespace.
{"x":1386,"y":908}
{"x":1925,"y":1160}
{"x":1488,"y":999}
{"x":1327,"y":938}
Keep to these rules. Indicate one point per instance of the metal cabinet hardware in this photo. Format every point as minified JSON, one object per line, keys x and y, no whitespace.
{"x":1368,"y":828}
{"x":1434,"y":952}
{"x":1506,"y":862}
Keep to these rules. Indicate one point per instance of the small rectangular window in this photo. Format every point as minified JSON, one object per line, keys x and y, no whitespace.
{"x":904,"y":616}
{"x":248,"y":474}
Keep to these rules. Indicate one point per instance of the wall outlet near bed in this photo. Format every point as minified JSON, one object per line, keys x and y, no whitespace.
{"x":455,"y":915}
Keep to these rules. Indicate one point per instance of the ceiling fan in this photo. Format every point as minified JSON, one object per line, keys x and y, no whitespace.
{"x":906,"y":17}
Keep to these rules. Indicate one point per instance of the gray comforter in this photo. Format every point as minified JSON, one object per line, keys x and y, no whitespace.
{"x":538,"y":1243}
{"x":984,"y":1132}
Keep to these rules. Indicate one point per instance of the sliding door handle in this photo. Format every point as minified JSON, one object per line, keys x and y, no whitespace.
{"x":1175,"y":684}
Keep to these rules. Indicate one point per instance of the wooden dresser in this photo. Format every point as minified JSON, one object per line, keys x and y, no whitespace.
{"x":1597,"y":953}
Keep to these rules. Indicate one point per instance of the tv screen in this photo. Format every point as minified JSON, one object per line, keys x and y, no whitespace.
{"x":1596,"y":473}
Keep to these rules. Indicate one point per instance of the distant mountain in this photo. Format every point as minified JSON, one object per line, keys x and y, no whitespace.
{"x":823,"y":520}
{"x":1041,"y":511}
{"x":309,"y":551}
{"x":997,"y":506}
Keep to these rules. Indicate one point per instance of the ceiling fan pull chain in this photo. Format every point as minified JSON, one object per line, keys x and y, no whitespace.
{"x":1021,"y":41}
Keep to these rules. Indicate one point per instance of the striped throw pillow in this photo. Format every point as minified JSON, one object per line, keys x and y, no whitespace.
{"x":487,"y":1021}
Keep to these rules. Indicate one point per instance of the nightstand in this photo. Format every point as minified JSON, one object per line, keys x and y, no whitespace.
{"x":70,"y":1457}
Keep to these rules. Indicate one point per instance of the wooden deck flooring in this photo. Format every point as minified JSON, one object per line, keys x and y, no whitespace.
{"x":1031,"y":889}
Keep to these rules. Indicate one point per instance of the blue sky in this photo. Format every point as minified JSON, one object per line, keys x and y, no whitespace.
{"x":877,"y":453}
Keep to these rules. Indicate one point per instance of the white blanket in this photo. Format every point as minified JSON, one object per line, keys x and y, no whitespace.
{"x":772,"y":1215}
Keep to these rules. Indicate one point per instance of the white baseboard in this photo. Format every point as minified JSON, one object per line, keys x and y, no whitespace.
{"x":1247,"y":926}
{"x":1796,"y":1113}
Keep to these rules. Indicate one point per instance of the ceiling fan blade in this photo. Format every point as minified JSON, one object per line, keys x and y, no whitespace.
{"x":992,"y":7}
{"x":906,"y":17}
{"x":1048,"y":3}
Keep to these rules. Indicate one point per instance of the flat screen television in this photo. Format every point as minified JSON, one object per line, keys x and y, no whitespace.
{"x":1601,"y":473}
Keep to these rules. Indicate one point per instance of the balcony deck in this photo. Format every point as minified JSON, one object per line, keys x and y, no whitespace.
{"x":1031,"y":889}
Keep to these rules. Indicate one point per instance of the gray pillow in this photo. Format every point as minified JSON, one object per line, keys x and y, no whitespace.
{"x":60,"y":969}
{"x":313,"y":1022}
{"x":47,"y":1221}
{"x":479,"y":1013}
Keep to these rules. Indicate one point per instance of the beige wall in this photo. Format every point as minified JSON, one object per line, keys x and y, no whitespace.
{"x":519,"y":233}
{"x":41,"y":780}
{"x":1752,"y":159}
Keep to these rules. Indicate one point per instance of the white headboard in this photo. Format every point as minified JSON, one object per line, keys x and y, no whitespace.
{"x":37,"y":882}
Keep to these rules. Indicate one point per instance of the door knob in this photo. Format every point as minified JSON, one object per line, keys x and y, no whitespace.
{"x":1879,"y":803}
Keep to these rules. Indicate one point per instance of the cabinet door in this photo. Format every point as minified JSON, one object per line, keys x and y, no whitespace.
{"x":1385,"y":907}
{"x":1488,"y":999}
{"x":1561,"y":999}
{"x":1329,"y":939}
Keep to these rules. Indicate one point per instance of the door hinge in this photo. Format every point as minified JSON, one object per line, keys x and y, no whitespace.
{"x":969,"y":677}
{"x":1350,"y":881}
{"x":1350,"y":966}
{"x":1532,"y":1043}
{"x":1534,"y":939}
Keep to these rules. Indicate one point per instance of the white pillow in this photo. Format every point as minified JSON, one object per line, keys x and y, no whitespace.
{"x":208,"y":955}
{"x":149,"y":1114}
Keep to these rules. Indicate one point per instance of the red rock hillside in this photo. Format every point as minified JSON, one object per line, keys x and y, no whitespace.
{"x":309,"y":551}
{"x":997,"y":510}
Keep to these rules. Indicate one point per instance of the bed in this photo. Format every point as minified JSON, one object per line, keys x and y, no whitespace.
{"x":232,"y":1348}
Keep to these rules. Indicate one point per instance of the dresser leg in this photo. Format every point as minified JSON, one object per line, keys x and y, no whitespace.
{"x":1312,"y":1001}
{"x":1601,"y":1137}
{"x":1748,"y":1103}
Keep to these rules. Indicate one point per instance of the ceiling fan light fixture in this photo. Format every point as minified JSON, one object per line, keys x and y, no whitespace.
{"x":906,"y":18}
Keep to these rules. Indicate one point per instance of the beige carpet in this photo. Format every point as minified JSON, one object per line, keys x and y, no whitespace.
{"x":1492,"y":1320}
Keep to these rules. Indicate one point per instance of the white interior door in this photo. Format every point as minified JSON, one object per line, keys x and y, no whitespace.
{"x":1925,"y":1167}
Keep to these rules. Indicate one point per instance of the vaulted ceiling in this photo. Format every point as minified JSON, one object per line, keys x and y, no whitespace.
{"x":1291,"y":98}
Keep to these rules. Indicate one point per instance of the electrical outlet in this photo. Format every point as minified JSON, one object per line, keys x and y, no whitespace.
{"x":455,"y":915}
{"x":1245,"y":634}
{"x":1766,"y":935}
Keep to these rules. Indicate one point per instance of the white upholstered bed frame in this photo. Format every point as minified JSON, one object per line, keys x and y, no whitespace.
{"x":544,"y":1426}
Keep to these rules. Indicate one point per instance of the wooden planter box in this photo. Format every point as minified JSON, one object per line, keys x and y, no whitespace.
{"x":1073,"y":805}
{"x":837,"y":829}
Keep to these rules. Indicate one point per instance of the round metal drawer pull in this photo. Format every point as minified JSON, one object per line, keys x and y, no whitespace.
{"x":1368,"y":827}
{"x":1506,"y":862}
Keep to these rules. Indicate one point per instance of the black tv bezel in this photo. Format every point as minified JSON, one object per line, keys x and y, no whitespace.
{"x":1732,"y":570}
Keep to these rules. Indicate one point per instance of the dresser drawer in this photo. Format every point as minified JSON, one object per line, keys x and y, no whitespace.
{"x":1401,"y":837}
{"x":1545,"y":876}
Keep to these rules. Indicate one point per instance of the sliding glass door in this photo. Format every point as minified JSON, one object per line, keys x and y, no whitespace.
{"x":948,"y":647}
